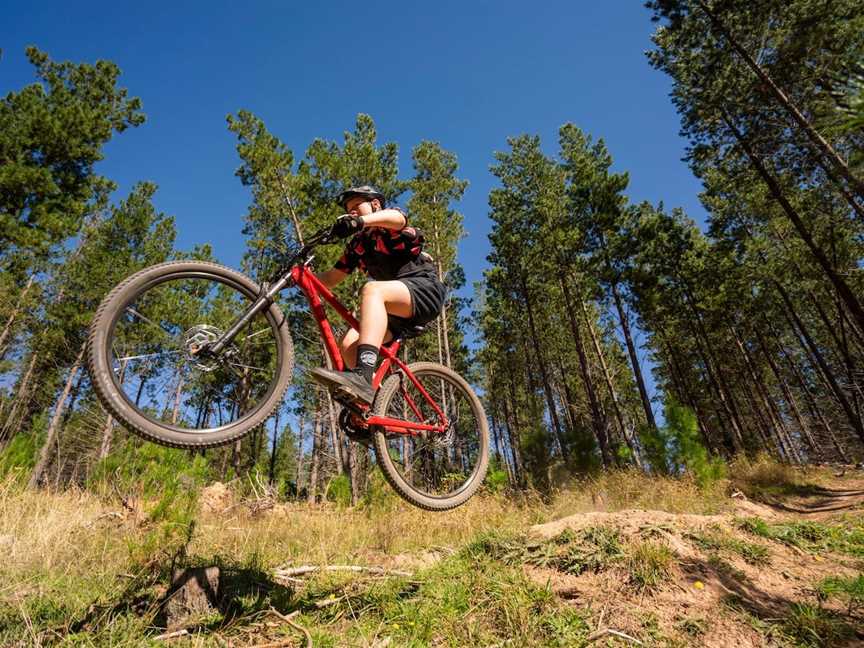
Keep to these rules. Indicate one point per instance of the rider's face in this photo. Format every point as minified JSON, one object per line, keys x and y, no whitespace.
{"x":359,"y":206}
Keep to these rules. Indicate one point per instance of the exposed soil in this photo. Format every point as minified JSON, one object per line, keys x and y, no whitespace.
{"x":712,"y":597}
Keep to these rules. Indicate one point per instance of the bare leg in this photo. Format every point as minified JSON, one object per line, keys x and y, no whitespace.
{"x":348,"y":347}
{"x":377,"y":299}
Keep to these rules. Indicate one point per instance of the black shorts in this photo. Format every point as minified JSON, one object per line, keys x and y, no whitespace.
{"x":427,"y":300}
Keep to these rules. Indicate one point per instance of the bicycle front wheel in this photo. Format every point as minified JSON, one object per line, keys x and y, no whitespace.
{"x":436,"y":471}
{"x":143,"y":363}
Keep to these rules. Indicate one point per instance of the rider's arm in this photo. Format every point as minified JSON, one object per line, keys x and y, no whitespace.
{"x":389,"y":218}
{"x":331,"y":277}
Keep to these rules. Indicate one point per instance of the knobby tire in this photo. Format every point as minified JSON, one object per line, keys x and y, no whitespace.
{"x":389,"y":389}
{"x":117,"y":404}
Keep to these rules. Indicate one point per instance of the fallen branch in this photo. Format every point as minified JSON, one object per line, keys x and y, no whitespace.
{"x":328,"y":602}
{"x":599,"y":634}
{"x":289,"y":619}
{"x":288,"y":572}
{"x":171,"y":635}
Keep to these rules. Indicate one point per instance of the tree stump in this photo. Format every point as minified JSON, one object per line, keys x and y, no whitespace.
{"x":193,"y":593}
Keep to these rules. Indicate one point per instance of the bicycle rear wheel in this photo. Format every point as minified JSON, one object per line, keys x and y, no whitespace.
{"x":436,"y":471}
{"x":143,"y":365}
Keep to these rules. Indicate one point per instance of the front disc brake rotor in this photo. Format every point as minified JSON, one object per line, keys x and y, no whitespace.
{"x":197,"y":338}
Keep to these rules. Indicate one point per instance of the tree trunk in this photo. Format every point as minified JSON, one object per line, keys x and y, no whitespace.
{"x":688,"y":398}
{"x":444,"y":324}
{"x":817,"y":355}
{"x":23,"y":391}
{"x":9,"y":326}
{"x":312,"y":487}
{"x":597,"y":420}
{"x":790,"y":399}
{"x":301,"y":424}
{"x":236,"y":453}
{"x":566,"y":397}
{"x":843,"y":289}
{"x":613,"y":393}
{"x":818,"y":141}
{"x":108,"y":429}
{"x":815,"y":411}
{"x":541,"y":364}
{"x":175,"y":412}
{"x":634,"y":360}
{"x":715,"y":376}
{"x":510,"y":414}
{"x":774,"y":415}
{"x":764,"y":428}
{"x":500,"y":457}
{"x":272,"y":473}
{"x":53,"y":426}
{"x":843,"y":350}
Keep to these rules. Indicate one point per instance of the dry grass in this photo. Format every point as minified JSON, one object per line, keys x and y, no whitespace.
{"x":77,"y":532}
{"x":45,"y":533}
{"x":629,"y":489}
{"x":65,"y":551}
{"x":765,"y":476}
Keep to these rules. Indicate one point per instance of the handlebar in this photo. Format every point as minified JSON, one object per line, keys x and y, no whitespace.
{"x":321,"y":237}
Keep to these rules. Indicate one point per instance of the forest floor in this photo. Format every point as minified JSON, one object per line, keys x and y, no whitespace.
{"x":771,"y":557}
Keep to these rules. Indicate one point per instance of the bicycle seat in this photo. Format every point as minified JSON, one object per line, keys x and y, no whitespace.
{"x":402,"y":328}
{"x":411,"y":331}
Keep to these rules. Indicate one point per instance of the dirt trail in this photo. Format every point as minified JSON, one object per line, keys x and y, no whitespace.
{"x":813,"y":500}
{"x":725,"y":586}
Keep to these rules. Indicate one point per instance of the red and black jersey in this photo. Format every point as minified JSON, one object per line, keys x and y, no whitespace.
{"x":387,"y":254}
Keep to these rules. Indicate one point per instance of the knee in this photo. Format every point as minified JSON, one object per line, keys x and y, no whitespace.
{"x":371,"y":291}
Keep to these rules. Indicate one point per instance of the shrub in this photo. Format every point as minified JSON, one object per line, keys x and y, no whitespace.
{"x":496,"y":481}
{"x":648,"y":563}
{"x":339,"y":491}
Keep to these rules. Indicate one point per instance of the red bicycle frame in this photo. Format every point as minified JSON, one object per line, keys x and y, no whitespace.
{"x":314,"y":291}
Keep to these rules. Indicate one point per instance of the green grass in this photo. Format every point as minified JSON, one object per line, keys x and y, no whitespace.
{"x":471,"y":598}
{"x":593,"y":549}
{"x":803,"y":624}
{"x":716,"y":541}
{"x":648,"y":564}
{"x":810,"y":625}
{"x":846,"y":536}
{"x":847,"y":588}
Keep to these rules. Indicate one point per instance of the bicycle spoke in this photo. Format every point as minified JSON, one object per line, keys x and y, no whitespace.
{"x":158,"y":337}
{"x":256,"y":333}
{"x":435,"y":463}
{"x":245,"y":366}
{"x":148,"y":320}
{"x":147,"y":355}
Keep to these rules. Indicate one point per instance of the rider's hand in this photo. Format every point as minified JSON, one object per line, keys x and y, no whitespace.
{"x":346,"y":225}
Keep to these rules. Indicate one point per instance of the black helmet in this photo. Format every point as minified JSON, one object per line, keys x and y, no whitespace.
{"x":366,"y":191}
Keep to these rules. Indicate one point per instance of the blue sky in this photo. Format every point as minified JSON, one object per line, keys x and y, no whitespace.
{"x":467,"y":74}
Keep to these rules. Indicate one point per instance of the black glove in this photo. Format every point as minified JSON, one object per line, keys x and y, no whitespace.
{"x":346,"y":225}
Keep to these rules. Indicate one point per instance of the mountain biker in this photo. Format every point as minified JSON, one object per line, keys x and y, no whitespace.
{"x":404,"y":292}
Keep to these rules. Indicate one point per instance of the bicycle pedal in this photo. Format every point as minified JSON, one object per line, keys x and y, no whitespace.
{"x":344,"y":398}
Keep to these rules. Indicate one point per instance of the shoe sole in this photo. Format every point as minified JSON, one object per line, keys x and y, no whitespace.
{"x":322,"y":380}
{"x":339,"y":388}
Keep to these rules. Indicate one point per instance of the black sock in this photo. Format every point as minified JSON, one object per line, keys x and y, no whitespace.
{"x":367,"y":359}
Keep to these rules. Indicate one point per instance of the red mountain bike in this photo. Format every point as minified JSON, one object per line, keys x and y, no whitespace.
{"x":192,"y":354}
